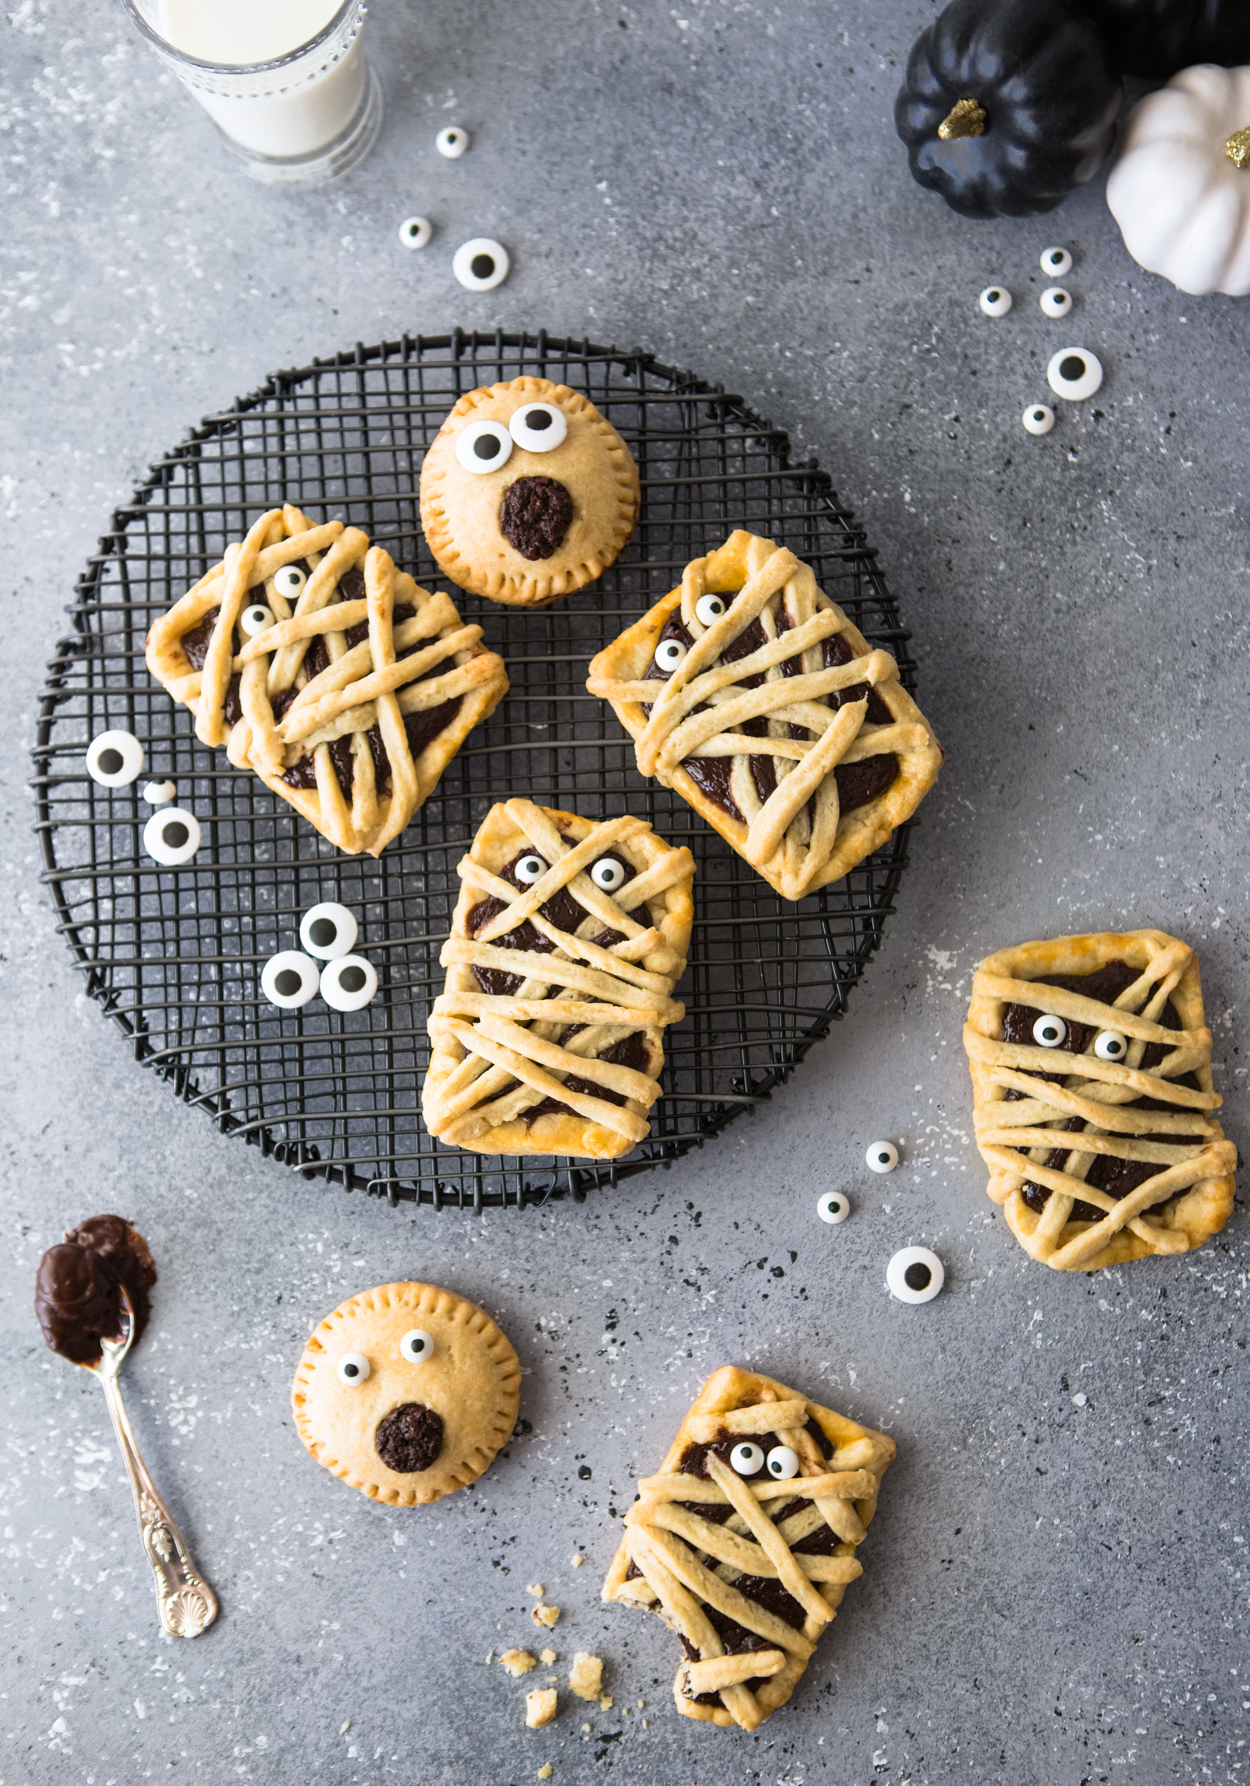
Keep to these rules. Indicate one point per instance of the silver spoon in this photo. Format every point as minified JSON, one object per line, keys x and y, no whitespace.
{"x":186,"y":1603}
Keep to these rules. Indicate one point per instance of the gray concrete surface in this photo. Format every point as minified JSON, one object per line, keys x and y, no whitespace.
{"x":1054,"y":1591}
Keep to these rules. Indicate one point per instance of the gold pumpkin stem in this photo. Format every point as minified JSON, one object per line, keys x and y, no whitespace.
{"x":967,"y":118}
{"x":1237,"y":148}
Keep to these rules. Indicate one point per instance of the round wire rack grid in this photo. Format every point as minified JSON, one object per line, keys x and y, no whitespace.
{"x":174,"y":955}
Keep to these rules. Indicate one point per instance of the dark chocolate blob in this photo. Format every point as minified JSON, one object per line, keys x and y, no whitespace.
{"x":77,"y":1287}
{"x":409,"y":1438}
{"x":535,"y":516}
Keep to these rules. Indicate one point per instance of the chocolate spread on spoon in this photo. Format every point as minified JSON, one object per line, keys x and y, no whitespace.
{"x":78,"y":1287}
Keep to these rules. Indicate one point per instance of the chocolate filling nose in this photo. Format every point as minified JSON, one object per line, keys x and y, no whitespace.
{"x":409,"y":1438}
{"x":535,"y":515}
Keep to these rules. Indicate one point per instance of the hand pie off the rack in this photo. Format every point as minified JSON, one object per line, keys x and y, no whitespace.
{"x":566,"y":942}
{"x":750,"y":692}
{"x":342,"y":684}
{"x":744,"y":1542}
{"x":1151,"y":1171}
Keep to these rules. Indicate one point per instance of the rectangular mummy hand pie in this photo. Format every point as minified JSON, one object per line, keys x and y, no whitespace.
{"x":345,"y":687}
{"x":566,"y":942}
{"x":1151,"y":1172}
{"x":744,"y":1541}
{"x":749,"y":692}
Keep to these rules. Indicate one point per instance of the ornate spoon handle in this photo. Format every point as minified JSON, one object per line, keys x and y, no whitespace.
{"x":185,"y":1602}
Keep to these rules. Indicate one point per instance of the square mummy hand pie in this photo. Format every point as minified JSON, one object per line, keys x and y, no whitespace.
{"x":345,"y":687}
{"x":748,"y":691}
{"x":566,"y":942}
{"x":1115,"y":1154}
{"x":744,"y":1542}
{"x":527,"y":492}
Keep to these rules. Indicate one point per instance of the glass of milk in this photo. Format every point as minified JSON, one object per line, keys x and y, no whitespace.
{"x":285,"y":81}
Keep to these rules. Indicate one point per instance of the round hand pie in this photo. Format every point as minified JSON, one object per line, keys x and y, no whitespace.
{"x":527,"y":493}
{"x":407,"y":1392}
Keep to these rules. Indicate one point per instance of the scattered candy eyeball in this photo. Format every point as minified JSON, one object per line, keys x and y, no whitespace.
{"x":160,"y":793}
{"x":1056,"y":262}
{"x":710,"y":608}
{"x":415,"y":232}
{"x":833,"y":1207}
{"x":1074,"y":373}
{"x":289,"y":979}
{"x":483,"y":446}
{"x":480,"y":264}
{"x":328,"y":930}
{"x":348,"y":983}
{"x":882,"y":1156}
{"x":416,"y":1346}
{"x":539,"y":427}
{"x":171,"y":836}
{"x":1039,"y":418}
{"x":256,"y":619}
{"x":1050,"y":1032}
{"x":353,"y":1369}
{"x":669,"y":653}
{"x":608,"y":873}
{"x":289,"y":581}
{"x":915,"y":1274}
{"x":995,"y":301}
{"x":452,"y":142}
{"x":747,"y":1458}
{"x":1109,"y":1044}
{"x":114,"y":759}
{"x":530,"y":869}
{"x":1055,"y":301}
{"x":783,"y":1463}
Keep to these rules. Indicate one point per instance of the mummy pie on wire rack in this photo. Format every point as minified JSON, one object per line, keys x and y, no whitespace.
{"x":566,"y":943}
{"x":748,"y":691}
{"x":745,"y":1541}
{"x":342,"y":684}
{"x":1152,"y":1172}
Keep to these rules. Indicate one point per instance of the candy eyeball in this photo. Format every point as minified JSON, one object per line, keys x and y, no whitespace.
{"x":995,"y":301}
{"x":1055,"y":261}
{"x":160,"y":793}
{"x":530,"y":869}
{"x":353,"y":1369}
{"x":416,"y":1346}
{"x":171,"y":836}
{"x":289,"y":980}
{"x":747,"y":1459}
{"x":1050,"y":1032}
{"x":480,"y":265}
{"x":328,"y":930}
{"x":348,"y":983}
{"x":833,"y":1207}
{"x":1109,"y":1044}
{"x":114,"y":759}
{"x":1074,"y":373}
{"x":1039,"y":418}
{"x":608,"y":873}
{"x":710,"y":608}
{"x":783,"y":1462}
{"x":539,"y":427}
{"x":915,"y":1274}
{"x":289,"y":581}
{"x":256,"y":619}
{"x":669,"y":653}
{"x":1055,"y":301}
{"x":452,"y":142}
{"x":483,"y":446}
{"x":882,"y":1156}
{"x":415,"y":232}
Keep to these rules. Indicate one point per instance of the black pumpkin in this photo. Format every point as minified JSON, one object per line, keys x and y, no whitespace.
{"x":1155,"y":38}
{"x":1007,"y":105}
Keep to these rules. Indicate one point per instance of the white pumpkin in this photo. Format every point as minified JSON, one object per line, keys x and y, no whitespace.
{"x":1180,"y":190}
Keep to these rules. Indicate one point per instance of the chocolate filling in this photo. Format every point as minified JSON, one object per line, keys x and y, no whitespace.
{"x":77,"y":1287}
{"x":535,"y":515}
{"x":409,"y":1438}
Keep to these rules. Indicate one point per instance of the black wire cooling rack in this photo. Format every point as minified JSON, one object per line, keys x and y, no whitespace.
{"x":174,"y":955}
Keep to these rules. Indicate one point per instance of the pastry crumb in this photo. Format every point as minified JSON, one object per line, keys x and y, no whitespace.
{"x":577,"y":1559}
{"x":644,"y":1723}
{"x":545,"y":1772}
{"x":547,"y":1656}
{"x":540,"y":1707}
{"x":536,"y":1588}
{"x":586,"y":1675}
{"x":345,"y":1726}
{"x":642,"y":1705}
{"x":545,"y":1615}
{"x":606,"y":1701}
{"x":517,"y":1662}
{"x":490,"y":1657}
{"x":585,"y":1729}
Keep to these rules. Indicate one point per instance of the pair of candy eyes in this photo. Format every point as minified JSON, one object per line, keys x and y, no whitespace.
{"x":416,"y":1347}
{"x":1052,"y":1032}
{"x":289,"y":582}
{"x":487,"y":446}
{"x":607,"y":872}
{"x":748,"y":1459}
{"x":707,"y":611}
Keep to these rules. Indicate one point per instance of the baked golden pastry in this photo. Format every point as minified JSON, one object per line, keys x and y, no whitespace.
{"x":527,"y":492}
{"x":565,"y":945}
{"x":1152,"y":1172}
{"x":406,"y":1392}
{"x":344,"y":686}
{"x":745,"y":1541}
{"x":748,"y":691}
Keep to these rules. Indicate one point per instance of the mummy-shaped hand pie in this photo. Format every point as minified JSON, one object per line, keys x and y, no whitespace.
{"x":1151,"y":1171}
{"x":566,"y":942}
{"x":745,"y":1541}
{"x":342,"y":684}
{"x":750,"y":692}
